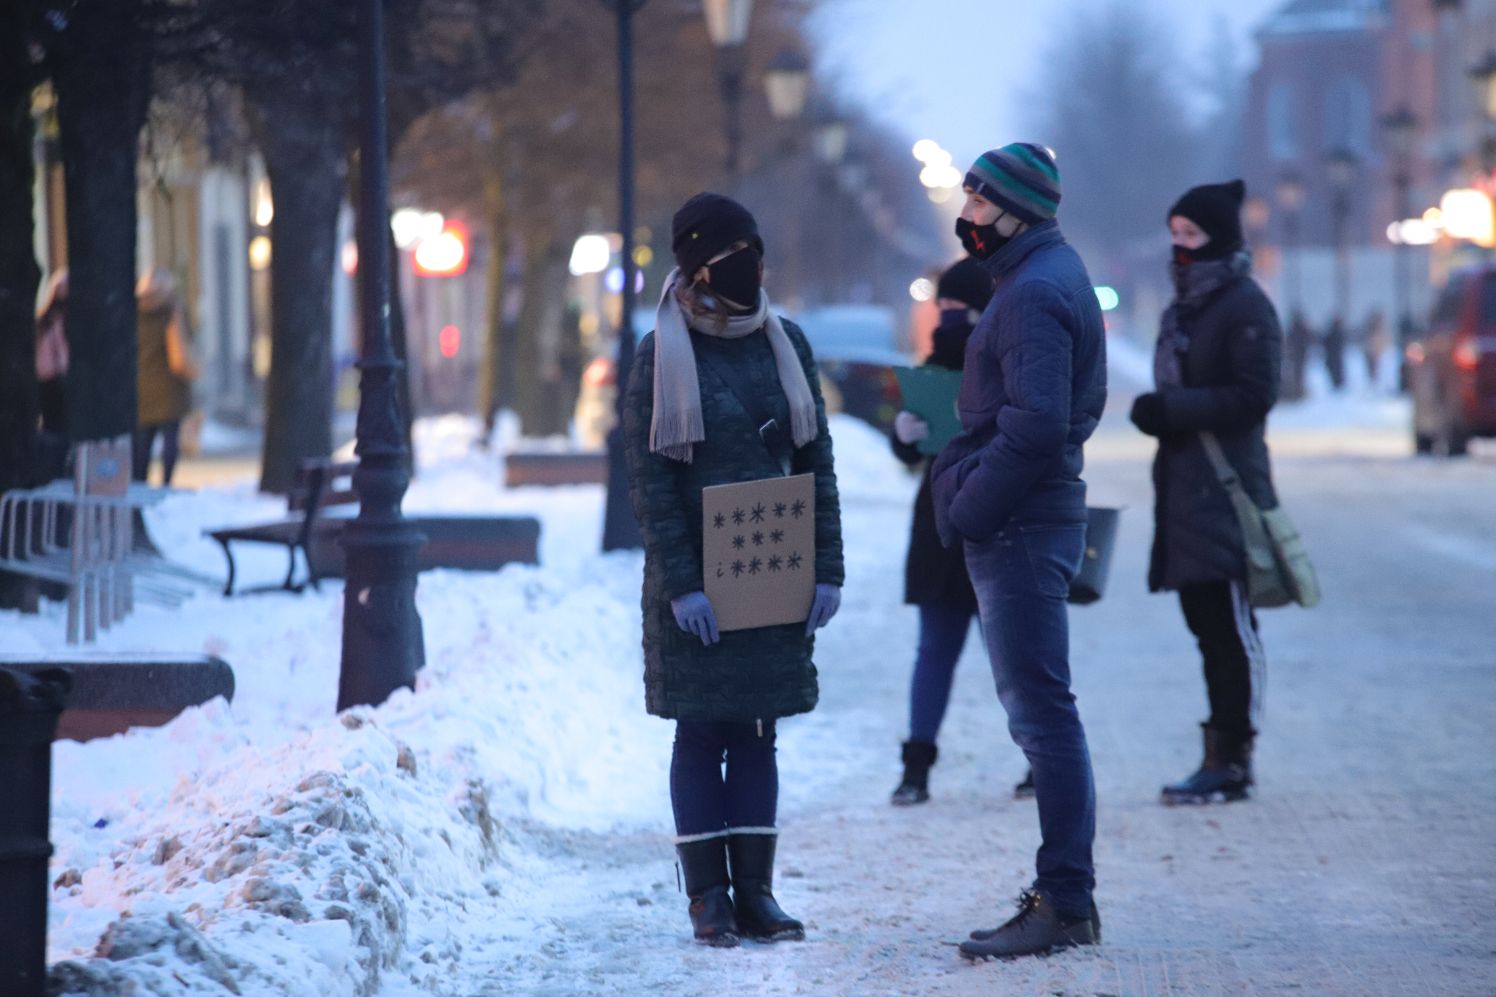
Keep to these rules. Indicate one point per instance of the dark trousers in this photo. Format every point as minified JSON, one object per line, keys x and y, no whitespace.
{"x":145,"y":440}
{"x":707,"y":803}
{"x":1022,"y":577}
{"x":1225,"y":627}
{"x":942,"y":636}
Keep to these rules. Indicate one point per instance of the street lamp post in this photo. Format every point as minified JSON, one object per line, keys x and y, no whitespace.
{"x":786,"y":83}
{"x":620,"y":527}
{"x":727,"y":24}
{"x":382,"y":640}
{"x":830,"y":137}
{"x":1340,"y":168}
{"x":1290,"y":195}
{"x":1401,"y":127}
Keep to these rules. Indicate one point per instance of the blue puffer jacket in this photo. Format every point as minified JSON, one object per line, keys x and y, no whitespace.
{"x":1033,"y":393}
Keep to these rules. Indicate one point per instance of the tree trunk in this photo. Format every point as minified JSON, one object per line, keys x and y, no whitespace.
{"x":304,"y":158}
{"x":18,"y":280}
{"x":495,"y":391}
{"x":102,"y":80}
{"x":529,"y":347}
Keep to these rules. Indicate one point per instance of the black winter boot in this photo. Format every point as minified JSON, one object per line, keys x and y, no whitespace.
{"x":1037,"y":928}
{"x":759,"y":914}
{"x":915,"y":788}
{"x":1223,"y":777}
{"x":1025,"y":789}
{"x":703,"y":864}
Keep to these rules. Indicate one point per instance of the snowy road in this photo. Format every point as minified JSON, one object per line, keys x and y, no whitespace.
{"x":1366,"y":865}
{"x":506,"y":829}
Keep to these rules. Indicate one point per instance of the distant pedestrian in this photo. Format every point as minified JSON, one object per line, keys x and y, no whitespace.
{"x":1009,"y":490}
{"x":1376,"y":340}
{"x":52,"y":361}
{"x":164,"y":373}
{"x":687,"y":427}
{"x":1334,"y":345}
{"x":1216,"y":367}
{"x":935,"y":578}
{"x":1296,"y":357}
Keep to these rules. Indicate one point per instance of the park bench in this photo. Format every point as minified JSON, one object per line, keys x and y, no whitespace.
{"x":582,"y":467}
{"x":320,"y":483}
{"x":112,"y":692}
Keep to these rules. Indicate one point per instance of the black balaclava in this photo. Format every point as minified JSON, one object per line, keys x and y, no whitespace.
{"x":1216,"y":208}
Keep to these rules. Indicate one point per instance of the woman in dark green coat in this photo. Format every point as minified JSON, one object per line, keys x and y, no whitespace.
{"x":687,"y":427}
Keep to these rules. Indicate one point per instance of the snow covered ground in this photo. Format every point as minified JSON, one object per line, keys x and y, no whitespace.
{"x":505,"y":829}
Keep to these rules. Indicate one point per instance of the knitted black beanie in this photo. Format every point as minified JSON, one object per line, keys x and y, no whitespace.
{"x":1216,"y":208}
{"x":707,"y":224}
{"x":967,"y":282}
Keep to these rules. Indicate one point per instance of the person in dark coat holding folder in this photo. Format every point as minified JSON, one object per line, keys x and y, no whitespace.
{"x":1009,"y":489}
{"x":718,"y":358}
{"x":935,"y":577}
{"x":1217,"y":368}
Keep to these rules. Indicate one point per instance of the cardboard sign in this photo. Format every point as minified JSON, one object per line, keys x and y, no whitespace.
{"x":759,"y":551}
{"x":931,"y":394}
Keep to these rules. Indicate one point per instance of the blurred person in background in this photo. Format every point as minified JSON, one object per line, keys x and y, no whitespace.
{"x":687,"y":427}
{"x":935,"y":578}
{"x":164,"y":373}
{"x":1216,"y":366}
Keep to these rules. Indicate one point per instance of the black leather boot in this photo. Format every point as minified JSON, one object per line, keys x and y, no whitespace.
{"x":1225,"y":775}
{"x":759,"y":914}
{"x":915,"y":787}
{"x":703,"y":864}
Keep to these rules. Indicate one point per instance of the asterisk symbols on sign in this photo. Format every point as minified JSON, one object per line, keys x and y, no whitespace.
{"x":738,"y":543}
{"x":755,"y":566}
{"x":777,"y":537}
{"x":779,"y":509}
{"x":719,"y":521}
{"x":798,"y":509}
{"x":776,"y":563}
{"x":758,"y":539}
{"x":737,"y":568}
{"x":738,"y":516}
{"x":758,"y":513}
{"x":794,"y":561}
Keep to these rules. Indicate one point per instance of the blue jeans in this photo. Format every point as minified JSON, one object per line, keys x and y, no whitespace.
{"x":705,"y":803}
{"x":1021,"y":577}
{"x":942,"y":635}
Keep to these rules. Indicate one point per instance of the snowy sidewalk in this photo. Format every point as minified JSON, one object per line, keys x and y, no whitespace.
{"x":506,"y":829}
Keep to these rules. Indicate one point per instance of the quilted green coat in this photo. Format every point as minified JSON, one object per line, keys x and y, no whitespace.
{"x":750,"y":675}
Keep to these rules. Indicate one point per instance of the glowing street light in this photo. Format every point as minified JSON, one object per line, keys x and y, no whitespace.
{"x":590,"y":254}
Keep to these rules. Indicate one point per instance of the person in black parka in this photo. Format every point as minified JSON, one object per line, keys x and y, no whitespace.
{"x":686,"y":428}
{"x":935,"y":576}
{"x":1217,"y":368}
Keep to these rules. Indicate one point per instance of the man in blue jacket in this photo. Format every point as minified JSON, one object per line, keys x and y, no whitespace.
{"x":1009,"y":488}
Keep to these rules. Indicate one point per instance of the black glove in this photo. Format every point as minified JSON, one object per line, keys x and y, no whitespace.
{"x":1150,"y":414}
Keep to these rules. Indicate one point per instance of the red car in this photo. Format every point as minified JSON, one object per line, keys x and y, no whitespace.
{"x":1452,"y":367}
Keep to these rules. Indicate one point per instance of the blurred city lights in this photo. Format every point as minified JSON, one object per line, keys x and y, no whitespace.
{"x":590,"y":254}
{"x":922,"y":289}
{"x":350,"y":257}
{"x":643,"y":256}
{"x":614,"y":280}
{"x":925,"y":148}
{"x":264,"y":206}
{"x":259,"y":252}
{"x":411,"y":226}
{"x":444,"y":255}
{"x":449,"y":341}
{"x":1466,"y":214}
{"x":1412,"y":232}
{"x":1107,"y":297}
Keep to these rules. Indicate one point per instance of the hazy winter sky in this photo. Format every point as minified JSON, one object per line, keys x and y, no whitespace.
{"x":958,"y":71}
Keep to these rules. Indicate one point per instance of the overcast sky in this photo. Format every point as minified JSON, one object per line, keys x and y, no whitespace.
{"x":956,"y":71}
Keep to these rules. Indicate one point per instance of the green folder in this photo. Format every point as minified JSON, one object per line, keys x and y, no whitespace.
{"x":930,"y":392}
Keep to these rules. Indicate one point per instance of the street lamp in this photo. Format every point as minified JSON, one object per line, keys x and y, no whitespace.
{"x":1401,"y":129}
{"x":1290,"y":195}
{"x":620,"y":527}
{"x":727,"y":24}
{"x":382,"y":640}
{"x":787,"y":82}
{"x":1340,"y":168}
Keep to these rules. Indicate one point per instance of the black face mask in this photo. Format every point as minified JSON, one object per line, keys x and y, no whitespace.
{"x":981,"y":241}
{"x":955,"y":316}
{"x":737,"y":279}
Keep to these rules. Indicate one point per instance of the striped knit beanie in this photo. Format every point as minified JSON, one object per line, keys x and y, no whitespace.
{"x":1020,"y":178}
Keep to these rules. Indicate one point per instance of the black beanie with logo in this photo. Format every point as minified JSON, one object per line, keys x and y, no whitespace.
{"x":707,"y":224}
